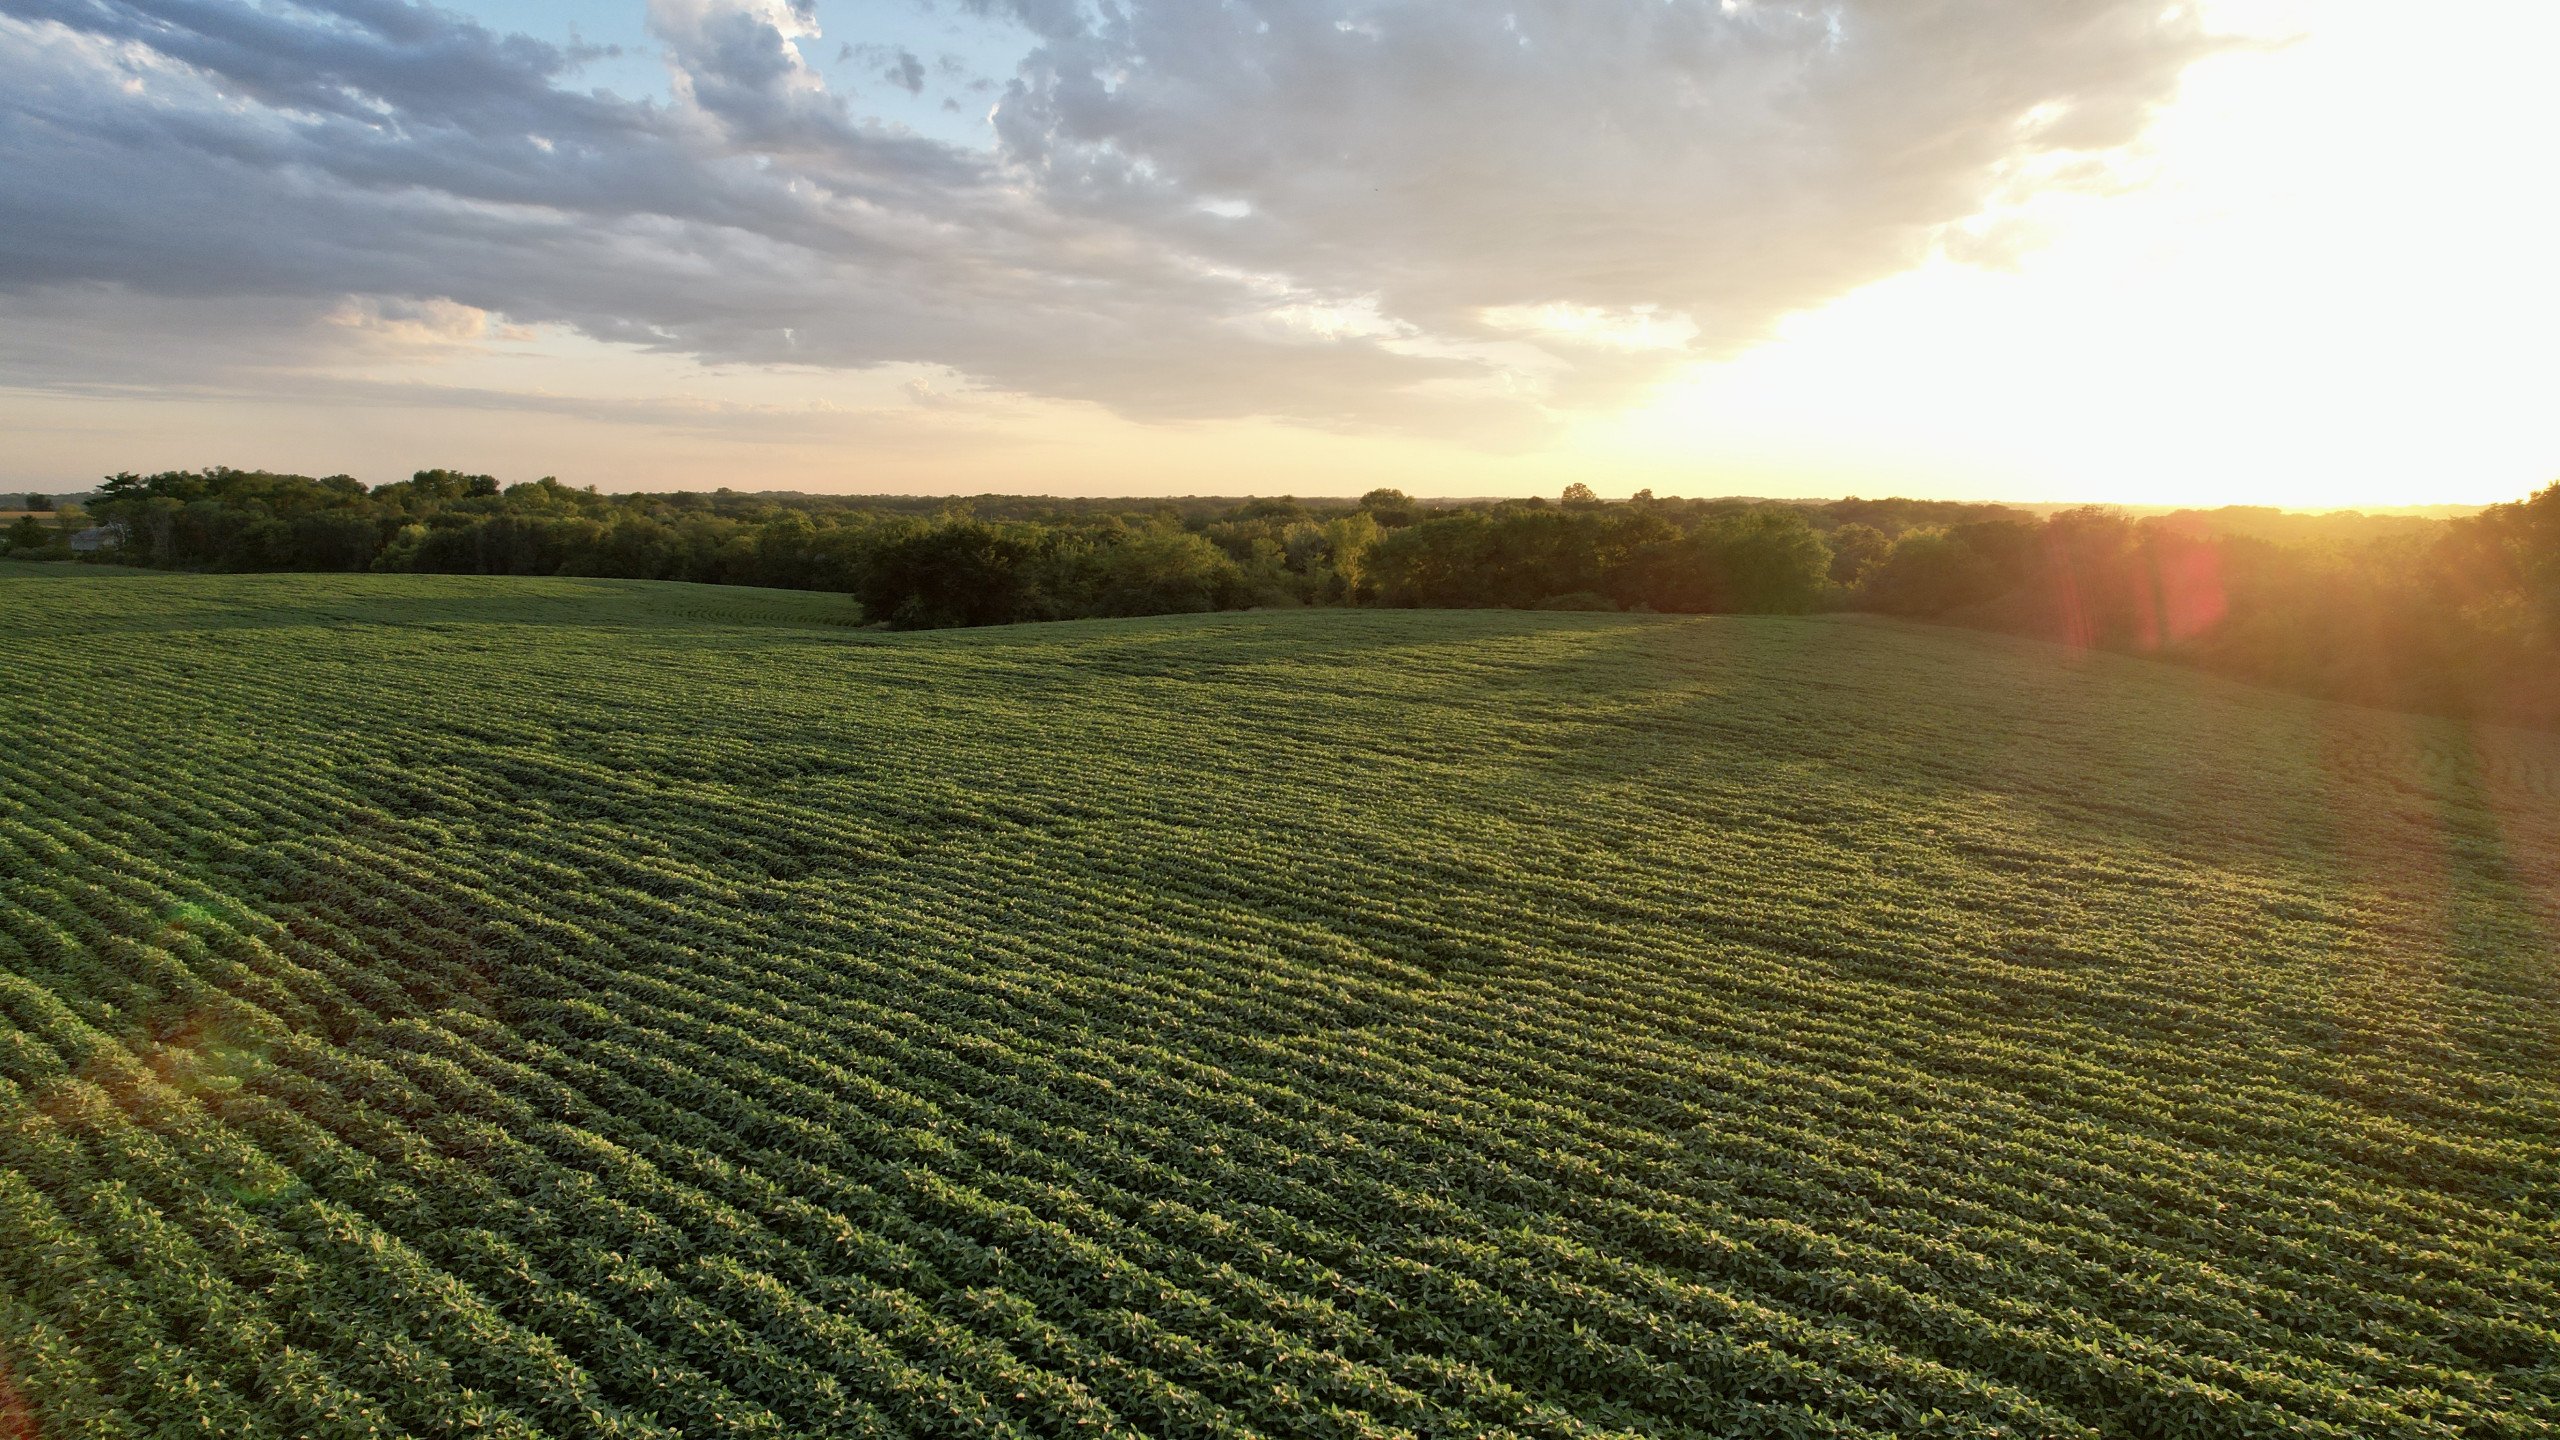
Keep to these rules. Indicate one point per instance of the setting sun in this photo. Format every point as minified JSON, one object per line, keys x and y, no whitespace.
{"x":2301,"y":288}
{"x":1279,"y":719}
{"x":2265,"y":250}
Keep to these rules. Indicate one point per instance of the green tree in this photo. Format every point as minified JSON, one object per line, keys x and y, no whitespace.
{"x":1348,"y":541}
{"x":1759,"y":562}
{"x":1928,"y":572}
{"x":1391,"y":508}
{"x":1151,"y":570}
{"x":953,"y":572}
{"x":1855,"y":549}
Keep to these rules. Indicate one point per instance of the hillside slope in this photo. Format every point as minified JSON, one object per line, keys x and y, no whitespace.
{"x":470,"y":1007}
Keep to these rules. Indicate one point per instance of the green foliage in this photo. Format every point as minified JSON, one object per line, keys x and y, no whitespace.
{"x":2456,"y":616}
{"x":1855,"y":549}
{"x":1514,"y":555}
{"x":456,"y":1006}
{"x":953,"y":572}
{"x":1756,"y":559}
{"x":2453,"y":616}
{"x":1928,"y":572}
{"x":1756,"y":562}
{"x":1390,"y":508}
{"x":1147,"y":570}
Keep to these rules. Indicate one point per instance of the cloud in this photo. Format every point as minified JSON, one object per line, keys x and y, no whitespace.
{"x":896,"y":64}
{"x":1435,"y":214}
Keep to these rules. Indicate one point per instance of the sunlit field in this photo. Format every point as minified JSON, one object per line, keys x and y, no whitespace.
{"x":466,"y":1006}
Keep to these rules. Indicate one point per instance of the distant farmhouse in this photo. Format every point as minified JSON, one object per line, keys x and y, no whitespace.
{"x":97,"y":538}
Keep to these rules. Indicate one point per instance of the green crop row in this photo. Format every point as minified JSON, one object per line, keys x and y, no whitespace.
{"x":531,"y":1008}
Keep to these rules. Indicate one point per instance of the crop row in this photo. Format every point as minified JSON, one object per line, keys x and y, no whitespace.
{"x":1419,"y":1028}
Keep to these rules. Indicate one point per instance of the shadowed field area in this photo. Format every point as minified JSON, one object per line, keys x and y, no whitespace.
{"x":466,"y":1006}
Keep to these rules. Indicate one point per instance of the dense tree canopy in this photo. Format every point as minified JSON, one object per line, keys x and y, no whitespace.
{"x":2459,"y":616}
{"x":2450,"y":615}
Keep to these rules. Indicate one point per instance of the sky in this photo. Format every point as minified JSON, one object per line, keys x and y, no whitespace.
{"x":2291,"y":252}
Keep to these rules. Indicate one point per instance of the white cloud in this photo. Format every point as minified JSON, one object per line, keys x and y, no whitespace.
{"x":1431,"y":214}
{"x":1640,"y":328}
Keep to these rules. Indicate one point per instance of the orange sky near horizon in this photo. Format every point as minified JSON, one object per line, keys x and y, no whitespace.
{"x":2300,"y":288}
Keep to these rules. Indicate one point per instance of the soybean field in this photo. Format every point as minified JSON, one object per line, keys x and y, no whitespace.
{"x":452,"y":1006}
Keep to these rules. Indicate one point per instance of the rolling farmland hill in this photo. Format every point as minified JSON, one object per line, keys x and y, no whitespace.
{"x":485,"y":1007}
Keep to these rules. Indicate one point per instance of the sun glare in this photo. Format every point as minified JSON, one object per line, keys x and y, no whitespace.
{"x":2319,"y":298}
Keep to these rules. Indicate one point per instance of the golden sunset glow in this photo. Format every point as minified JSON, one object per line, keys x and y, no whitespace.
{"x":2314,"y":273}
{"x":1599,"y":719}
{"x":2308,"y":294}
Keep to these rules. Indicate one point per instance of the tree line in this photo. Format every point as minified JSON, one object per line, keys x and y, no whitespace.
{"x":2451,"y":615}
{"x":995,"y":560}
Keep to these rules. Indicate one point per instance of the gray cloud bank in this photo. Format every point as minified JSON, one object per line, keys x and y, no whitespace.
{"x":1432,"y":213}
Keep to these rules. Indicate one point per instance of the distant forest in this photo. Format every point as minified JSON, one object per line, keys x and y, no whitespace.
{"x":2458,"y":616}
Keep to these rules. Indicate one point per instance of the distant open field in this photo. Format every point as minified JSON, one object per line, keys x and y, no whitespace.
{"x":458,"y":1006}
